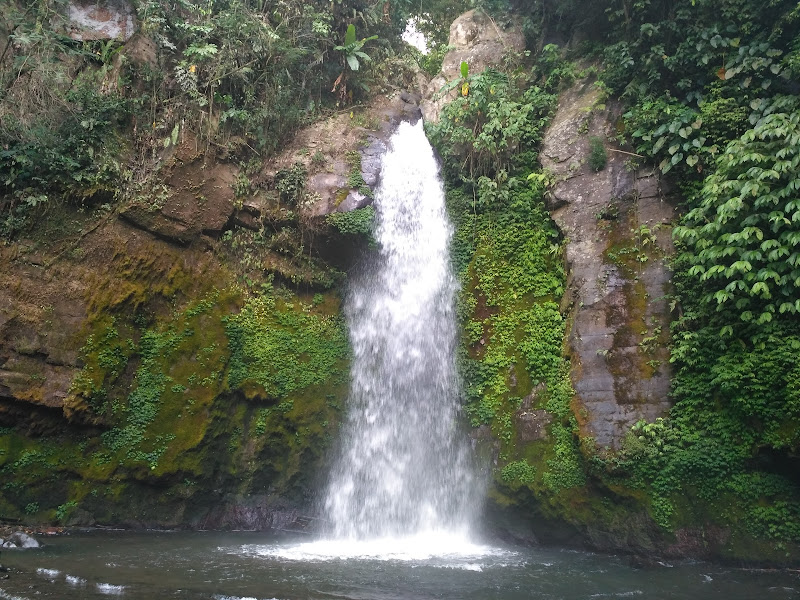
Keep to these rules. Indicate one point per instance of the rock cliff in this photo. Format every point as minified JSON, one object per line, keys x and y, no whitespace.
{"x":617,"y":221}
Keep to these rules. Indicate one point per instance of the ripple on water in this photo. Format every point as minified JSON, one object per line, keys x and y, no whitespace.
{"x":74,"y":580}
{"x":48,"y":573}
{"x":110,"y":589}
{"x":219,"y":597}
{"x":4,"y":595}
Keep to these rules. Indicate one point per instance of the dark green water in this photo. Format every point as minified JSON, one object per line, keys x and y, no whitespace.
{"x":232,"y":566}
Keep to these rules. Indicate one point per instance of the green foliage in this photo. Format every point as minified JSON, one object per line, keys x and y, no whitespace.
{"x":743,"y":239}
{"x":597,"y":154}
{"x":105,"y":356}
{"x":495,"y":127}
{"x":352,"y":48}
{"x":59,"y":155}
{"x":282,"y":348}
{"x":711,"y":90}
{"x":291,"y":184}
{"x":61,"y":117}
{"x":64,"y":510}
{"x":514,"y":274}
{"x":144,"y":401}
{"x":354,"y":178}
{"x":519,"y":471}
{"x":508,"y":255}
{"x":566,"y":467}
{"x":552,"y":71}
{"x":354,"y":222}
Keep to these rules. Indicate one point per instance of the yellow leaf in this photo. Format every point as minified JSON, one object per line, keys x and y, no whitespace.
{"x":465,"y":89}
{"x":192,"y":69}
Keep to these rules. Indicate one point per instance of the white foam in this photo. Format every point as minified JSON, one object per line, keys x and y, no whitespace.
{"x":477,"y":567}
{"x":111,"y":590}
{"x":4,"y":595}
{"x":416,"y":548}
{"x":49,"y":573}
{"x":219,"y":597}
{"x":74,"y":580}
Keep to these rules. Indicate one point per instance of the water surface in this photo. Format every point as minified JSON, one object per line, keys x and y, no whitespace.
{"x":222,"y":566}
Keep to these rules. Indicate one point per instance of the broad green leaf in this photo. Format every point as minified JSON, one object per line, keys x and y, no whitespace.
{"x":350,"y":37}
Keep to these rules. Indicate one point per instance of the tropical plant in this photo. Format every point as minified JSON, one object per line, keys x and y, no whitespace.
{"x":352,"y":52}
{"x":352,"y":48}
{"x":743,"y":239}
{"x":492,"y":125}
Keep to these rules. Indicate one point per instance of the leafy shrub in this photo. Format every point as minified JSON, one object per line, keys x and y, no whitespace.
{"x":743,"y":239}
{"x":61,"y":155}
{"x":281,"y":348}
{"x":496,"y":127}
{"x":597,"y":154}
{"x":355,"y":222}
{"x":519,"y":471}
{"x":291,"y":184}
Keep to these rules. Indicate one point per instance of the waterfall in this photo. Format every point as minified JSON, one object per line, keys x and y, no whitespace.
{"x":404,"y":469}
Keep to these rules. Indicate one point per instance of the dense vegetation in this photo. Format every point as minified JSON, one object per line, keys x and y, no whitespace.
{"x":208,"y":373}
{"x":196,"y":384}
{"x":508,"y":254}
{"x":81,"y":121}
{"x":711,"y":93}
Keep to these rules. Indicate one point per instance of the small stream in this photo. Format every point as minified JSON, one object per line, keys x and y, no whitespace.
{"x":233,"y":566}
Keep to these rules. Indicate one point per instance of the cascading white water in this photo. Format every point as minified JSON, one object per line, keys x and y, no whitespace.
{"x":403,"y":487}
{"x":405,"y":467}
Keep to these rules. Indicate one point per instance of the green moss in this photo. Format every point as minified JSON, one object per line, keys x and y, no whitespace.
{"x":355,"y":179}
{"x":282,"y":347}
{"x":161,"y":388}
{"x":355,"y":222}
{"x":630,"y":248}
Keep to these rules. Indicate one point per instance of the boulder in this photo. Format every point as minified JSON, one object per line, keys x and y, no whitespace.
{"x":20,"y":541}
{"x":475,"y":38}
{"x":101,"y":20}
{"x":197,"y":197}
{"x":323,"y":149}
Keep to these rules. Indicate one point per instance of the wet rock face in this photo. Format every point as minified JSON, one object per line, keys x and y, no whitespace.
{"x":476,"y":39}
{"x":617,"y":223}
{"x":40,"y":322}
{"x":101,"y":20}
{"x":531,"y":425}
{"x":323,"y":149}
